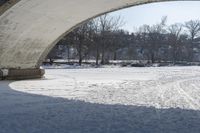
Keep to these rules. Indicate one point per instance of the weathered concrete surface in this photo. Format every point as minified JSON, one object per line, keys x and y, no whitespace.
{"x":31,"y":28}
{"x":18,"y":74}
{"x":5,"y":5}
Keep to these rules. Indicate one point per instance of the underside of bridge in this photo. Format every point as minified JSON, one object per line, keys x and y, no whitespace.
{"x":30,"y":29}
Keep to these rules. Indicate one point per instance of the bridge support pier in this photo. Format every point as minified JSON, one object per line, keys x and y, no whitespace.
{"x":20,"y":74}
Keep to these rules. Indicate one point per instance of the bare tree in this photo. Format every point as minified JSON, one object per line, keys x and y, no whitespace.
{"x":156,"y":33}
{"x":102,"y":39}
{"x":95,"y":38}
{"x":142,"y":40}
{"x":106,"y":24}
{"x":193,"y":27}
{"x":80,"y":36}
{"x":174,"y":39}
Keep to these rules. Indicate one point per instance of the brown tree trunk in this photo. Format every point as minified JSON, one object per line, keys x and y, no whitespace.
{"x":80,"y":53}
{"x":103,"y":55}
{"x":97,"y":56}
{"x":115,"y":55}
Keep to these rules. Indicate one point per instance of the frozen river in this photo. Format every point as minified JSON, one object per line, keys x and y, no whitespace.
{"x":103,"y":100}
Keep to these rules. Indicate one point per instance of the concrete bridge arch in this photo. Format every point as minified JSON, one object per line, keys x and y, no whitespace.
{"x":30,"y":29}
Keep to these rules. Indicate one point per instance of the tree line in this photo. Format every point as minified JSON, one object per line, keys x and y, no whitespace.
{"x":102,"y":39}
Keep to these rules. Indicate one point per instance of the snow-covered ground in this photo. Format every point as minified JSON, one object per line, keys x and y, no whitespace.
{"x":103,"y":100}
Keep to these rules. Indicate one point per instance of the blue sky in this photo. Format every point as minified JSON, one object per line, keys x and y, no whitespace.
{"x":152,"y":13}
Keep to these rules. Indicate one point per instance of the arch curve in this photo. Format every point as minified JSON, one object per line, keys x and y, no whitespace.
{"x":30,"y":29}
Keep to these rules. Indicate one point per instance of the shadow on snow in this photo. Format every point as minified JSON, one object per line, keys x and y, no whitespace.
{"x":29,"y":113}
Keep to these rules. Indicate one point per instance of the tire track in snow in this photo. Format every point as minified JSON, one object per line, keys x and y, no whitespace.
{"x":175,"y":84}
{"x":193,"y":103}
